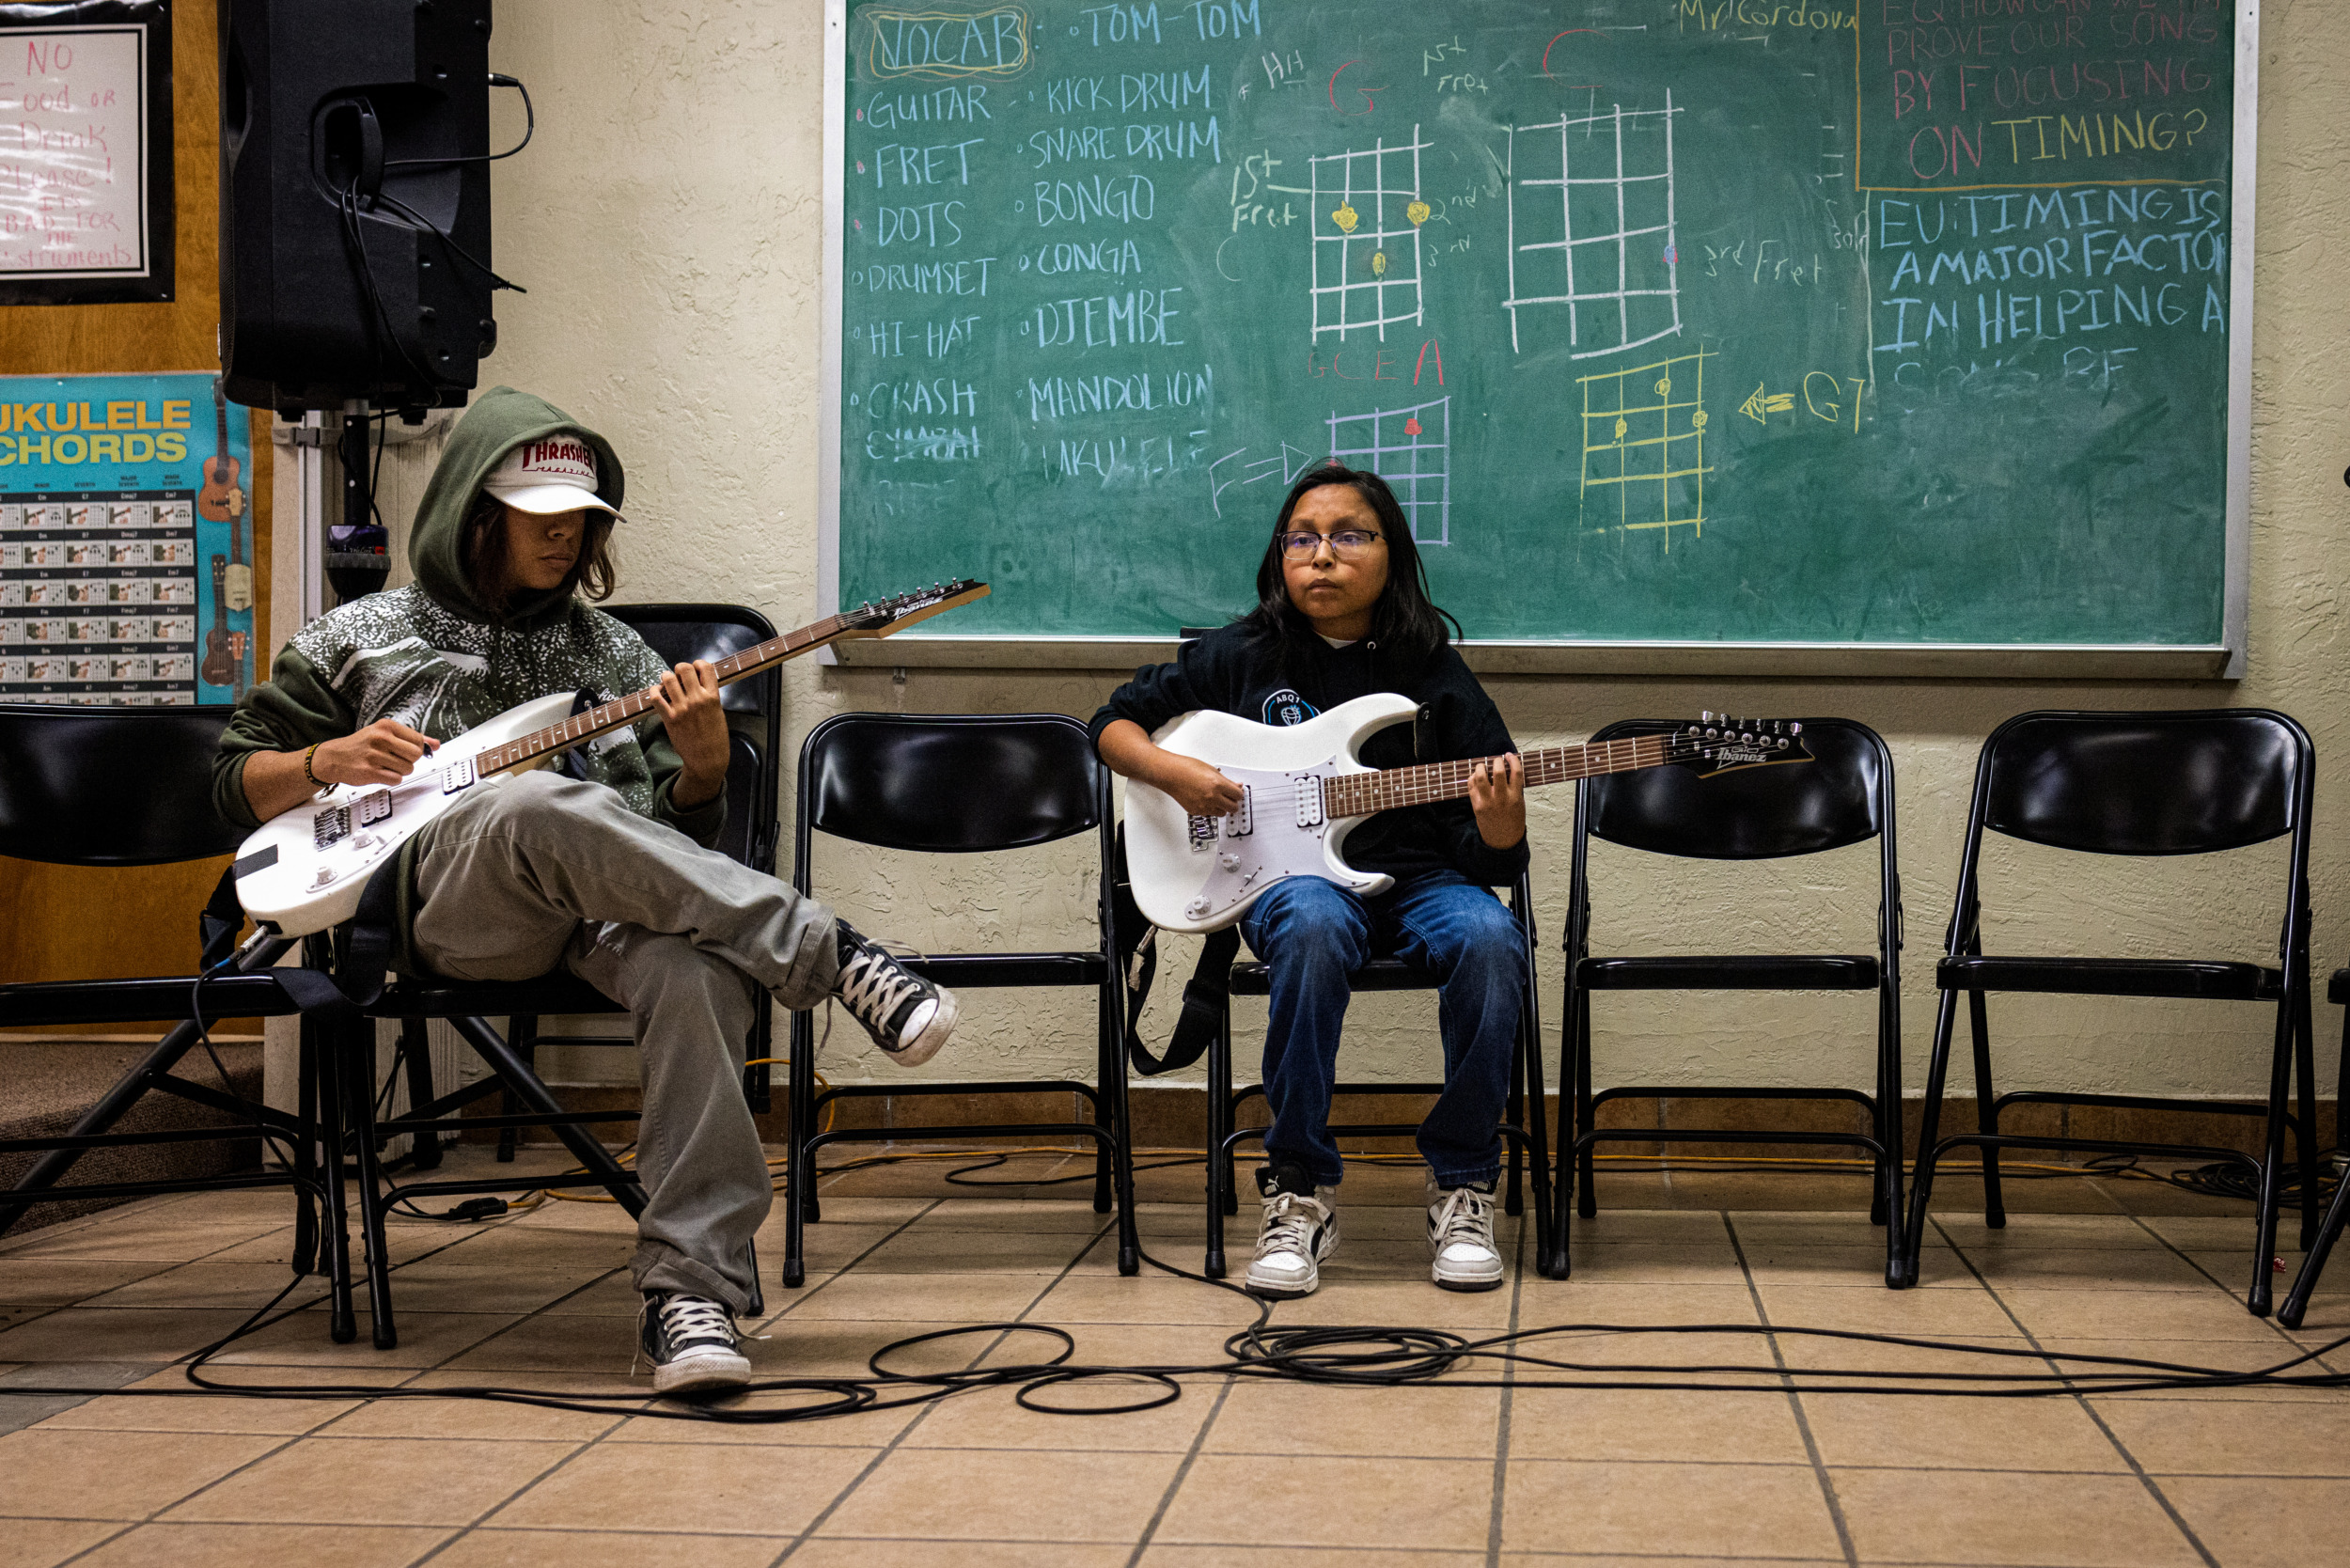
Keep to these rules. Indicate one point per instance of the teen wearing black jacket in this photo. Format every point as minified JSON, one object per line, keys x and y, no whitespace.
{"x":1343,"y":611}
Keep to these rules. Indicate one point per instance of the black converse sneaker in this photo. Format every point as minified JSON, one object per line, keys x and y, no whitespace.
{"x":907,"y":1016}
{"x":692,"y":1343}
{"x":1299,"y":1228}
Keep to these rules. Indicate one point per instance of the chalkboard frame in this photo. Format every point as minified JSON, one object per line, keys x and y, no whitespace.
{"x":939,"y":647}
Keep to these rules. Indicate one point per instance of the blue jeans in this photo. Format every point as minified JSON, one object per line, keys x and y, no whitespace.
{"x":1313,"y":935}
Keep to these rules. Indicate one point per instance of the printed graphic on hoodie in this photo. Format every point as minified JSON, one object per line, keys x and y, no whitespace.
{"x":1285,"y":707}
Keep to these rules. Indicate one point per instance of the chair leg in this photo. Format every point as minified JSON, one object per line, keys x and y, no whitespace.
{"x":2313,"y":1267}
{"x":1104,"y":1116}
{"x":2305,"y":1068}
{"x":514,"y":1070}
{"x":1890,"y":1108}
{"x":1513,"y":1111}
{"x":797,"y":1179}
{"x":1986,"y":1111}
{"x":415,"y":1051}
{"x":1585,"y":1116}
{"x":323,"y":1044}
{"x":522,"y":1032}
{"x":1537,"y":1126}
{"x":1219,"y":1162}
{"x":305,"y":1161}
{"x":357,"y":1042}
{"x":2272,"y":1160}
{"x":1928,"y":1130}
{"x":1562,"y":1200}
{"x":1114,"y":1089}
{"x":126,"y":1091}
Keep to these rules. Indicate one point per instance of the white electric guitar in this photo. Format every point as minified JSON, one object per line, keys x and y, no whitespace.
{"x":1302,"y":792}
{"x":304,"y":869}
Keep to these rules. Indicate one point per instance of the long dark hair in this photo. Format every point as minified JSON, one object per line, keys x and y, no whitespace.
{"x":591,"y":576}
{"x":1405,"y":620}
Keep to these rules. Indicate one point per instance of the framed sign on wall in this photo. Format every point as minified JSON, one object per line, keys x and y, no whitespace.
{"x":85,"y":165}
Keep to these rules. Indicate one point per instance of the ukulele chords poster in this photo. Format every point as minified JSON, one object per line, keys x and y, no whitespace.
{"x":125,"y":547}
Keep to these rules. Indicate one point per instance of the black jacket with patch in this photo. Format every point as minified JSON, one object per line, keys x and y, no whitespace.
{"x":1235,"y":671}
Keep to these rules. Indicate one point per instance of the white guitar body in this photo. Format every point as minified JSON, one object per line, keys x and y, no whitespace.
{"x":1201,"y":873}
{"x":303,"y":871}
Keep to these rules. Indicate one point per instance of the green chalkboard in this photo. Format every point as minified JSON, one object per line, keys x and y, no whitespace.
{"x":1739,"y":320}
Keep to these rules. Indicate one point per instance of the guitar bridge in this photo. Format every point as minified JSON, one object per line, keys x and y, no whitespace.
{"x":330,"y":825}
{"x":1203,"y":831}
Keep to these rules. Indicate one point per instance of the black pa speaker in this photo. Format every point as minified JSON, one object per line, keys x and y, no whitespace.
{"x":354,"y":201}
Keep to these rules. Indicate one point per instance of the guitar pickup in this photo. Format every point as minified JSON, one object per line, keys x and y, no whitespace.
{"x":457,"y":776}
{"x":374,"y":808}
{"x":330,"y":825}
{"x":1309,"y":801}
{"x":1240,"y":823}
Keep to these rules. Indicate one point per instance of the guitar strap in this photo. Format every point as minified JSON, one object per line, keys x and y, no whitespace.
{"x":362,"y":946}
{"x":1206,"y":995}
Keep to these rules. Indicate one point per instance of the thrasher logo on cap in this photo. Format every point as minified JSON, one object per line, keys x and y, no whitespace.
{"x":557,"y":460}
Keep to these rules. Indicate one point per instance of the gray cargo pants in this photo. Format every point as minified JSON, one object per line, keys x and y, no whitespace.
{"x":542,"y":871}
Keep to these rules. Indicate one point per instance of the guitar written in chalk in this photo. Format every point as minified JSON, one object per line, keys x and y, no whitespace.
{"x":303,"y":869}
{"x":1302,"y":790}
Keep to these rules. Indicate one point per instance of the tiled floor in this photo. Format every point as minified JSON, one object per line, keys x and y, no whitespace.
{"x":1241,"y":1471}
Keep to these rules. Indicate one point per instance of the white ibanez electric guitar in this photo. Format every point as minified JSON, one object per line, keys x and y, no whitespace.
{"x":1302,"y":792}
{"x":304,"y":869}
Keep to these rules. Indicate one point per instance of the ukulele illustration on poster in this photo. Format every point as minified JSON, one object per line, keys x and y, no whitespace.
{"x":126,"y":542}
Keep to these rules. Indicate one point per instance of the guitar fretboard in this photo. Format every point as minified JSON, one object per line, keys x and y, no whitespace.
{"x":1360,"y":794}
{"x":625,"y":710}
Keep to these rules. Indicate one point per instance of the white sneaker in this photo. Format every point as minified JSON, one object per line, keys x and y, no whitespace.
{"x":1298,"y":1231}
{"x":1461,"y":1237}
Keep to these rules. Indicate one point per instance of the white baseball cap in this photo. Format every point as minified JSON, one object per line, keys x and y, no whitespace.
{"x":549,"y":474}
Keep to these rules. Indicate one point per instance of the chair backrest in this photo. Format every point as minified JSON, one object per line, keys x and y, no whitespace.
{"x":2145,"y":783}
{"x":110,"y":786}
{"x":682,"y":632}
{"x":754,"y":768}
{"x":1842,"y":796}
{"x":950,"y":783}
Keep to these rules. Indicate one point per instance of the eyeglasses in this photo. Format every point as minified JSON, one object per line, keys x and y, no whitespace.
{"x":1346,"y":544}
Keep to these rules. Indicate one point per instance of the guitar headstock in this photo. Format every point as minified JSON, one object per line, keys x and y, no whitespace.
{"x":880,"y":619}
{"x":1715,"y":742}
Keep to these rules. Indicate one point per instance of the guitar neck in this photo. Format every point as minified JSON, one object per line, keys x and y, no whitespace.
{"x":583,"y":727}
{"x":1362,"y":793}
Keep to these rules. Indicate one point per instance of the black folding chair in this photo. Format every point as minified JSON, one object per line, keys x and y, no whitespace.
{"x":755,"y":710}
{"x":119,"y":786}
{"x":2141,"y":784}
{"x":1842,"y":796}
{"x":1523,"y":1126}
{"x":963,"y":784}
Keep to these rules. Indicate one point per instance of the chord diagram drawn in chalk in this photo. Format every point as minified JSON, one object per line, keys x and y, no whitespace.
{"x":1644,"y":438}
{"x":1412,"y":449}
{"x":1592,"y":226}
{"x":1367,"y":213}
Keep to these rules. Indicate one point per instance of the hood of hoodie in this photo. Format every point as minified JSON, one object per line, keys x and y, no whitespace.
{"x":500,"y":420}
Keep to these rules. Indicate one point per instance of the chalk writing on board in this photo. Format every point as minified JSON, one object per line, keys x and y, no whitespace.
{"x":72,"y":152}
{"x":1644,"y":438}
{"x":1603,"y":245}
{"x":942,"y":46}
{"x":1412,"y":449}
{"x":1367,"y":215}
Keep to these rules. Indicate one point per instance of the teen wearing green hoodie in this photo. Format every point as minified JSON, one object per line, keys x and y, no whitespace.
{"x":607,"y":873}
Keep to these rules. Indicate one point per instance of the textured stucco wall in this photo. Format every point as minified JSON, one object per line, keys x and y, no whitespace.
{"x":666,"y":222}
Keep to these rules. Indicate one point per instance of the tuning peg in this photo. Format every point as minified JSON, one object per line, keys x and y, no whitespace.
{"x":1705,"y":716}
